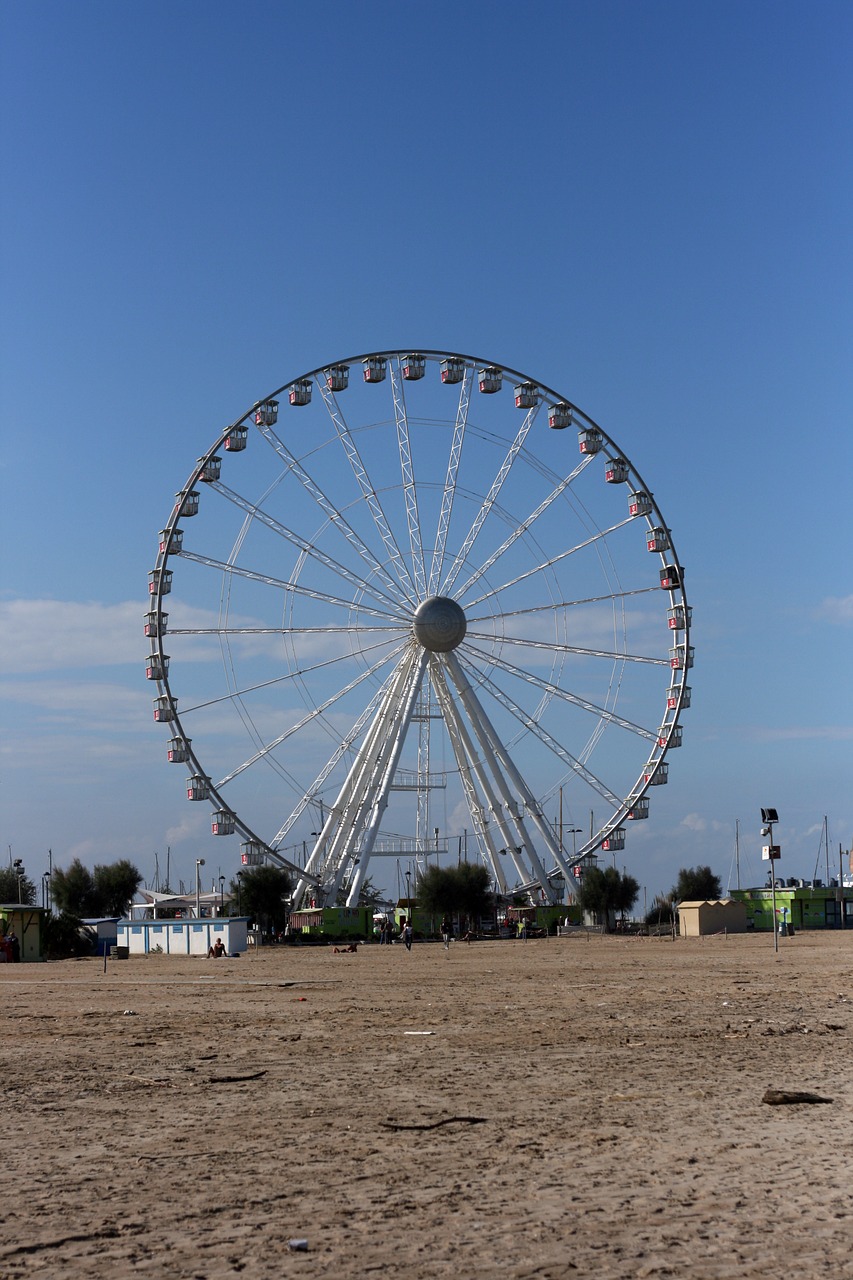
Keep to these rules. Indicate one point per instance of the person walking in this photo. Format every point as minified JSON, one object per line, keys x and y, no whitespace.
{"x":406,"y":934}
{"x":446,"y":930}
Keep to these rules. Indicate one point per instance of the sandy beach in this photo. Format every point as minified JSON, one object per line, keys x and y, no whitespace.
{"x":560,"y":1107}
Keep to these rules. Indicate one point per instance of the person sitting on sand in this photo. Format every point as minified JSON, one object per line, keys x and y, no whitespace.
{"x":342,"y":951}
{"x":217,"y":950}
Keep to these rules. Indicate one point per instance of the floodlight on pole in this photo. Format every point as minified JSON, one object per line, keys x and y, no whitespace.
{"x":199,"y":862}
{"x":768,"y":817}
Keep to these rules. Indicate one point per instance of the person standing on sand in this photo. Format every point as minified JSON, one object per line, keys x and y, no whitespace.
{"x":406,"y":934}
{"x":446,"y":930}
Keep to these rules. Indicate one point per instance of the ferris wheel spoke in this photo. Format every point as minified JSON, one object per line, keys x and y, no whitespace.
{"x":489,"y":501}
{"x":598,"y":536}
{"x":293,"y":675}
{"x":410,"y":492}
{"x":508,"y":778}
{"x":555,"y":690}
{"x":286,"y":631}
{"x":528,"y":722}
{"x":475,"y":779}
{"x":354,"y":817}
{"x":309,"y":549}
{"x":568,"y":604}
{"x":295,"y":588}
{"x":367,"y":487}
{"x":551,"y":647}
{"x":377,"y":803}
{"x":525,"y":525}
{"x":449,"y":492}
{"x":311,"y":716}
{"x":328,"y":507}
{"x":311,"y":793}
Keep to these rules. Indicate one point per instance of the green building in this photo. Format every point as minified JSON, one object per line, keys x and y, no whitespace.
{"x":333,"y":923}
{"x":802,"y":906}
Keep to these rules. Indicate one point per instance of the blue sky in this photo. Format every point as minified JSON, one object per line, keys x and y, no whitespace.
{"x":645,"y":206}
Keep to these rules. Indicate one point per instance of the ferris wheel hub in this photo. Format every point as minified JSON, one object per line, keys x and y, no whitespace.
{"x":439,"y":624}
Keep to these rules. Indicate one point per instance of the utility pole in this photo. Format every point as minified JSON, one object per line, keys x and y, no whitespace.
{"x":768,"y":817}
{"x":841,"y":884}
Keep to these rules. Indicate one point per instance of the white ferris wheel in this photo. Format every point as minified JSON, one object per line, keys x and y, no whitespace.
{"x":414,"y":599}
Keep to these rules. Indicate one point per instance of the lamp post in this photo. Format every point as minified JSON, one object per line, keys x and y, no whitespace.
{"x":768,"y":817}
{"x":19,"y":876}
{"x":222,"y":895}
{"x":45,"y":889}
{"x":199,"y":862}
{"x":239,"y":893}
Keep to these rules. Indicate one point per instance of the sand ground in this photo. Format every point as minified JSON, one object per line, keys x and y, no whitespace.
{"x":187,"y":1118}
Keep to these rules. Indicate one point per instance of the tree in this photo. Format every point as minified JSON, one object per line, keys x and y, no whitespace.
{"x":697,"y":884}
{"x":437,"y":891}
{"x":16,"y":887}
{"x":108,"y":892}
{"x":73,"y":891}
{"x":115,"y":886}
{"x":263,"y":894}
{"x":474,"y":885}
{"x":464,"y":889}
{"x":605,"y":892}
{"x":662,"y":909}
{"x":62,"y":935}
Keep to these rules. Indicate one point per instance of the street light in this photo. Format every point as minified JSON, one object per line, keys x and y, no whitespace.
{"x":239,"y":893}
{"x":199,"y":862}
{"x":222,"y":895}
{"x":768,"y":817}
{"x":18,"y":865}
{"x":45,"y":889}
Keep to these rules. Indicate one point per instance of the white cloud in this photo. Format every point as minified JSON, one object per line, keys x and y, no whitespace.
{"x":68,"y":635}
{"x":52,"y":635}
{"x":838,"y":610}
{"x":802,"y":733}
{"x":694,"y":822}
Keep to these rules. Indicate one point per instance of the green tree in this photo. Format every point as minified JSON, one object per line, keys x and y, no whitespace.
{"x":697,"y":884}
{"x":15,"y":888}
{"x":108,"y":892}
{"x":474,"y":885}
{"x":115,"y":886}
{"x":465,"y":889}
{"x":437,"y":891}
{"x":662,"y":909}
{"x":605,"y":891}
{"x":63,"y":935}
{"x":263,"y":895}
{"x":73,"y":891}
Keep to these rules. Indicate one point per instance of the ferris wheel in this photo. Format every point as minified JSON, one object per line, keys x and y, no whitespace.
{"x":416,"y":600}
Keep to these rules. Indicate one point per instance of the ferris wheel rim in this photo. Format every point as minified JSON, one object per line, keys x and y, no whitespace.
{"x":471,"y":362}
